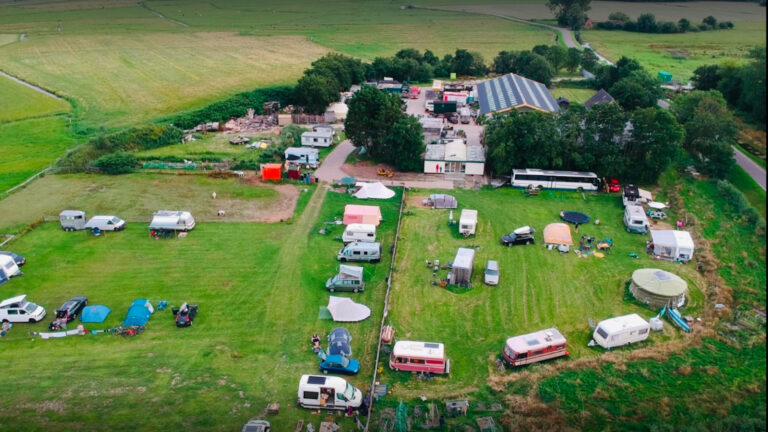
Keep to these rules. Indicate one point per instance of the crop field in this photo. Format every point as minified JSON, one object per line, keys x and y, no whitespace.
{"x":23,"y":102}
{"x":538,"y":288}
{"x":258,"y":287}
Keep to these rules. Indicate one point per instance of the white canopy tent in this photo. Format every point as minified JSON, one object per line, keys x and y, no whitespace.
{"x":373,"y":191}
{"x":672,"y":245}
{"x":343,"y":309}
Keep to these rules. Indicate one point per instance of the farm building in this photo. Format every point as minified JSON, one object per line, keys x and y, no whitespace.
{"x":512,"y":91}
{"x":362,"y":214}
{"x":461,"y":269}
{"x":600,"y":97}
{"x":455,"y":156}
{"x":658,"y":288}
{"x":337,"y":111}
{"x":271,"y":171}
{"x":672,"y":245}
{"x":321,"y":138}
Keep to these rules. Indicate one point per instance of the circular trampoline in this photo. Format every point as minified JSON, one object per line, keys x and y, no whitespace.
{"x":658,"y":288}
{"x":574,"y":217}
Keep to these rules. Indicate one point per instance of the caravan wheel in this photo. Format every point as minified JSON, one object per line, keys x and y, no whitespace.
{"x":356,"y":290}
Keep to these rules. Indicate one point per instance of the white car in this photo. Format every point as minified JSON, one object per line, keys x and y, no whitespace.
{"x":491,"y":274}
{"x":106,"y":223}
{"x":18,"y":309}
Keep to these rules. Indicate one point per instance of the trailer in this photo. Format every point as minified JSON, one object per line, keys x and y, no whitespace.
{"x":619,"y":331}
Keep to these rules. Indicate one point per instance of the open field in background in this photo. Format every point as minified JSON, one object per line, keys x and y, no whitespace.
{"x":575,"y":95}
{"x":21,"y":102}
{"x":144,"y":76}
{"x":258,"y":286}
{"x":680,"y":54}
{"x":28,"y":146}
{"x":6,"y":39}
{"x":134,"y":197}
{"x":664,"y":11}
{"x":538,"y":288}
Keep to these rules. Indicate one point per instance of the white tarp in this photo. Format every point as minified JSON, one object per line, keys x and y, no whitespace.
{"x":645,"y":196}
{"x":343,"y":309}
{"x":373,"y":191}
{"x":657,"y":205}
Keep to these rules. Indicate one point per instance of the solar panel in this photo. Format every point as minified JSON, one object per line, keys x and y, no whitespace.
{"x":532,"y":342}
{"x":316,"y":380}
{"x":431,"y":345}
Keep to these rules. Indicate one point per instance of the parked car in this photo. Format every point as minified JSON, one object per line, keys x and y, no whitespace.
{"x":257,"y":425}
{"x":18,"y":259}
{"x":185,"y":314}
{"x":336,"y":363}
{"x":614,"y":185}
{"x":520,"y":236}
{"x":491,"y":274}
{"x":18,"y":309}
{"x":106,"y":223}
{"x":453,"y":118}
{"x":73,"y":307}
{"x":338,"y":342}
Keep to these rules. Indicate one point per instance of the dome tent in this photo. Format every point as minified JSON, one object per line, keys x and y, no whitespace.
{"x":658,"y":288}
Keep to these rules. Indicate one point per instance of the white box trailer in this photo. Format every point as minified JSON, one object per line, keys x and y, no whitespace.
{"x":622,"y":330}
{"x":172,"y":220}
{"x":328,"y":392}
{"x":8,"y":268}
{"x":72,"y":220}
{"x":359,"y":232}
{"x":468,"y":222}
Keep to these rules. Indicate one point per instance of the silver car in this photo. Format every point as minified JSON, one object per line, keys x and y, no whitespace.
{"x":491,"y":274}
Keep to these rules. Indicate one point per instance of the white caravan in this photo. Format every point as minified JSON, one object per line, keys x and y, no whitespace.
{"x":622,"y":330}
{"x":328,"y":392}
{"x":359,"y":232}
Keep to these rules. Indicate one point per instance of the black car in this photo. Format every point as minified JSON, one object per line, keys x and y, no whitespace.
{"x":338,"y":342}
{"x":18,"y":259}
{"x":520,"y":236}
{"x":68,"y":312}
{"x":185,"y":315}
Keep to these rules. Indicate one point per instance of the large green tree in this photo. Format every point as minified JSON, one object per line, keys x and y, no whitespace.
{"x":315,"y":92}
{"x":655,"y":139}
{"x":404,"y":145}
{"x":570,"y":13}
{"x":638,"y":90}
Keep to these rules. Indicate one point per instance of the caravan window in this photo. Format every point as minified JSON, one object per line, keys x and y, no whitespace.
{"x":311,"y":395}
{"x":643,"y":331}
{"x":602,"y":332}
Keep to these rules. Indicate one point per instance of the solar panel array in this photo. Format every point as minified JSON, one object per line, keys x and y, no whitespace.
{"x":512,"y":91}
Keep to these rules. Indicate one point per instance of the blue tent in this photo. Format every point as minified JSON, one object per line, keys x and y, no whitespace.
{"x":95,"y":314}
{"x":138,"y":313}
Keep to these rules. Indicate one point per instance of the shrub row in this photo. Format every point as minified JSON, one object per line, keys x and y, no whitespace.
{"x":741,"y":204}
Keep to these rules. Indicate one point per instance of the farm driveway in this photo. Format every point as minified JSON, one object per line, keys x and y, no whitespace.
{"x":330,"y":170}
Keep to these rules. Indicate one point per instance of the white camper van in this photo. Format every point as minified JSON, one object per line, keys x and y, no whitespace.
{"x":359,"y":232}
{"x":620,"y":331}
{"x":172,"y":220}
{"x":635,"y":219}
{"x":328,"y":392}
{"x":18,"y":309}
{"x":360,"y":251}
{"x":467,"y":222}
{"x":106,"y":223}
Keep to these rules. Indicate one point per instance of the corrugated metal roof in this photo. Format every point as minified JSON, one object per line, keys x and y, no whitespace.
{"x":475,"y":153}
{"x":514,"y":91}
{"x":435,"y":152}
{"x":600,"y":97}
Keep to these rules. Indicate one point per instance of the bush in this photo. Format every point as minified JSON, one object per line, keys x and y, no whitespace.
{"x":245,"y":165}
{"x":740,"y":203}
{"x":117,"y":163}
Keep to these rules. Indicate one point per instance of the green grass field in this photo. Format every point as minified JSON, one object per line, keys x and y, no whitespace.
{"x":679,"y":54}
{"x":25,"y":103}
{"x":258,"y":286}
{"x":538,"y":288}
{"x":29,"y":146}
{"x":575,"y":95}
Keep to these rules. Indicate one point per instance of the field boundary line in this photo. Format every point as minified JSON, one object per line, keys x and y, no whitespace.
{"x":26,"y":182}
{"x":8,"y":238}
{"x":161,"y":16}
{"x":385,"y":311}
{"x":33,"y":87}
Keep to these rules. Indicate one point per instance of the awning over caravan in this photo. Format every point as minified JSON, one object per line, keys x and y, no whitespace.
{"x":374,"y":191}
{"x":343,"y":309}
{"x":362,"y":214}
{"x":558,"y":233}
{"x":164,"y":222}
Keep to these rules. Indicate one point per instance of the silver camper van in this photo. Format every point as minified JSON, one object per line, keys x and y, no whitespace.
{"x":635,"y":219}
{"x":106,"y":223}
{"x":360,"y":251}
{"x":328,"y":392}
{"x":72,"y":220}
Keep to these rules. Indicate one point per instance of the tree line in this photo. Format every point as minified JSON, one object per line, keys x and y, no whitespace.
{"x":743,"y":86}
{"x":646,"y":23}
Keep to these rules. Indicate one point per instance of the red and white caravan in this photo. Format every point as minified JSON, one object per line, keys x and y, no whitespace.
{"x":419,"y":357}
{"x":534,"y":347}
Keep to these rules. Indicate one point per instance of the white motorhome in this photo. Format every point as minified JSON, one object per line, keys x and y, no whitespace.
{"x":360,"y":251}
{"x":328,"y":392}
{"x":467,"y":222}
{"x":635,"y":219}
{"x":359,"y":232}
{"x":622,"y":330}
{"x":106,"y":223}
{"x":18,"y":309}
{"x":172,"y":220}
